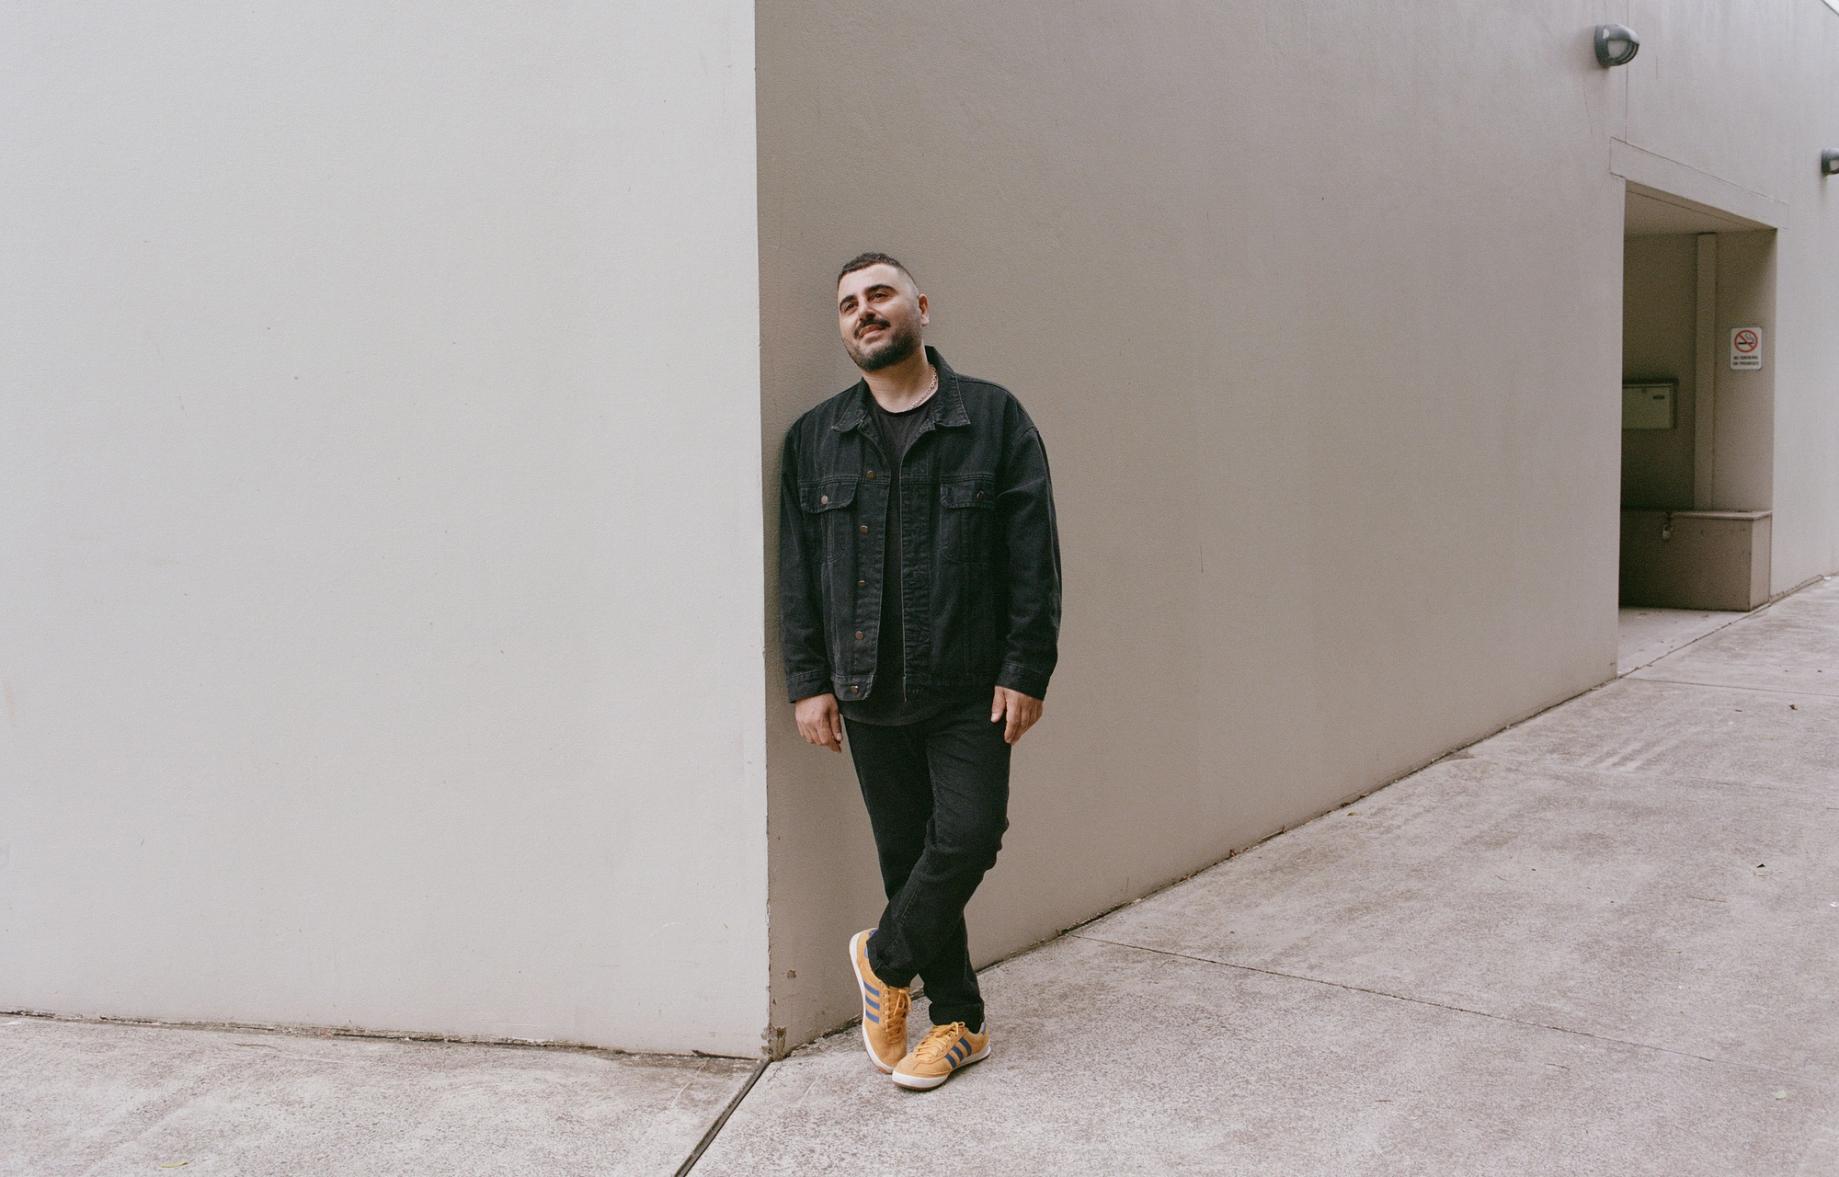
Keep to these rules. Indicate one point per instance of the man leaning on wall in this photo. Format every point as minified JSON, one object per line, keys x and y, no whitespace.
{"x":919,"y":592}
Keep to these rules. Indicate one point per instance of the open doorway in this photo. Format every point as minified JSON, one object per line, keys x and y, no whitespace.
{"x":1697,"y":420}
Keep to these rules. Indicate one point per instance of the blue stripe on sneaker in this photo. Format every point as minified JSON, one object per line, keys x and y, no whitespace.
{"x":871,"y":1017}
{"x":869,"y":1000}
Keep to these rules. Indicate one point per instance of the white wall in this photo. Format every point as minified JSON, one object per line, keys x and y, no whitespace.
{"x":1659,"y":305}
{"x":379,"y":411}
{"x":1806,"y":478}
{"x":1735,"y":103}
{"x":1318,"y":307}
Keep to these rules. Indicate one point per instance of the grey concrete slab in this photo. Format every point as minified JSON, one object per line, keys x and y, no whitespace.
{"x":1792,"y":646}
{"x":1700,"y":917}
{"x":1108,"y":1059}
{"x":1604,"y":942}
{"x":1645,"y":635}
{"x":1820,"y":596}
{"x":1763,"y":739}
{"x":79,"y":1098}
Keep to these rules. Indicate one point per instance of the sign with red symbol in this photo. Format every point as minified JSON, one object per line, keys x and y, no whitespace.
{"x":1745,"y":348}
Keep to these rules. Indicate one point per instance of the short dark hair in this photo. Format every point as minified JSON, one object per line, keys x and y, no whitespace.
{"x":863,"y":261}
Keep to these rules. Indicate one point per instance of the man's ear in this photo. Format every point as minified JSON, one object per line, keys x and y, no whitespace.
{"x":923,"y":305}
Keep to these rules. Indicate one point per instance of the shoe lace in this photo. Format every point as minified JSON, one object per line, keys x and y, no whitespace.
{"x":939,"y":1040}
{"x":895,"y":1001}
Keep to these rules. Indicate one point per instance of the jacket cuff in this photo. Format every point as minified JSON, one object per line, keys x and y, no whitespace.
{"x":1017,"y":677}
{"x":803,"y":686}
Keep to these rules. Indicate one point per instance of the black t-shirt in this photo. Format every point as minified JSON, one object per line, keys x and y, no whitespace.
{"x":885,"y":703}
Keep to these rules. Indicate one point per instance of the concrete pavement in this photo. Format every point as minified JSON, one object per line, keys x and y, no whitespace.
{"x":1605,"y":941}
{"x":107,"y":1099}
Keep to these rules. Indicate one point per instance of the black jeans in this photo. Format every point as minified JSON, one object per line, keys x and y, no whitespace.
{"x":937,"y":793}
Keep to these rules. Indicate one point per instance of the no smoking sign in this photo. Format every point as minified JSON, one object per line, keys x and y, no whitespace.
{"x":1745,"y":348}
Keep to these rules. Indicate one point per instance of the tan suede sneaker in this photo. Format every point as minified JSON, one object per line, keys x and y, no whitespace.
{"x":884,"y":1010}
{"x":939,"y":1054}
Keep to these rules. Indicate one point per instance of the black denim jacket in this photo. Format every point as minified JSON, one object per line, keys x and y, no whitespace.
{"x":980,"y":554}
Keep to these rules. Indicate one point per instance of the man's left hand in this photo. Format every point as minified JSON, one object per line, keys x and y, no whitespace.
{"x":1023,"y":711}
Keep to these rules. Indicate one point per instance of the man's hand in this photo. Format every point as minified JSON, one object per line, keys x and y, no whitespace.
{"x":1023,"y":711}
{"x":820,"y":723}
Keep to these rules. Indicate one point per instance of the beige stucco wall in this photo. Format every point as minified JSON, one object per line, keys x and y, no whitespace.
{"x":1319,"y":310}
{"x":1659,"y":308}
{"x":1738,"y":101}
{"x":1806,"y":419}
{"x":378,"y":644}
{"x":1746,"y":442}
{"x":383,"y":639}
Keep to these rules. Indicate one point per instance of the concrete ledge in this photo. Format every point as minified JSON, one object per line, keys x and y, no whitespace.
{"x":1711,"y":193}
{"x":1695,"y":559}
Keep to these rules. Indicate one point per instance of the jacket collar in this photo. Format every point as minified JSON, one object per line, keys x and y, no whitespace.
{"x":947,"y":403}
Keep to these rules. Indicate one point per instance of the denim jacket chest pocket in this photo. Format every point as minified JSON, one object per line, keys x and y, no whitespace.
{"x":967,"y":518}
{"x":827,"y":505}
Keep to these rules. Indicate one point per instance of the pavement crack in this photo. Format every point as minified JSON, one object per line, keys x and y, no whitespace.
{"x":1480,"y":1013}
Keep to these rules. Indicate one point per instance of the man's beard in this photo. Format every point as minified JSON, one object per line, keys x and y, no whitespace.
{"x":900,"y":344}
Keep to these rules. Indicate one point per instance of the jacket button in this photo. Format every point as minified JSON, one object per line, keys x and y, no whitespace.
{"x":980,"y":494}
{"x":871,"y":475}
{"x":863,"y":529}
{"x":853,"y":689}
{"x":858,"y":635}
{"x":862,"y":584}
{"x":823,"y":500}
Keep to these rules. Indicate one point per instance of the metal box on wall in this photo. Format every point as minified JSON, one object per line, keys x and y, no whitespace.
{"x":1649,"y":404}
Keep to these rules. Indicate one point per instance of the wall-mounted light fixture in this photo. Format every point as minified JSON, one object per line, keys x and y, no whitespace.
{"x":1829,"y":163}
{"x":1616,"y":45}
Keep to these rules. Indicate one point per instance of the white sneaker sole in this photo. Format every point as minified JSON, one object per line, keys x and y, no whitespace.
{"x":928,"y":1082}
{"x":855,"y":959}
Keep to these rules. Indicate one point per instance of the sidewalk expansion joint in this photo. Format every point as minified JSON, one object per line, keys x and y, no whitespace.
{"x":721,"y":1121}
{"x":1446,"y":1006}
{"x":1729,"y":686}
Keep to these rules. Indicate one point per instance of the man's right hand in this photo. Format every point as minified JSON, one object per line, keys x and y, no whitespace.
{"x":819,"y":721}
